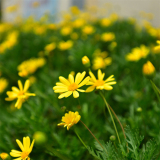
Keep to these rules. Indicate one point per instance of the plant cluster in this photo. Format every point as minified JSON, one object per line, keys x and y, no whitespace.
{"x":100,"y":74}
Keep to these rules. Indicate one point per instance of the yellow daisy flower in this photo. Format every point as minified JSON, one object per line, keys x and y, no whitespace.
{"x":70,"y":119}
{"x":25,"y":147}
{"x":21,"y":94}
{"x":100,"y":83}
{"x":4,"y":155}
{"x":67,"y":87}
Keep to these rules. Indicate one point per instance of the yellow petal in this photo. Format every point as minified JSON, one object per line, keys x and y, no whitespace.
{"x":110,"y":78}
{"x":27,"y":143}
{"x":20,"y":144}
{"x":84,"y":82}
{"x":80,"y":90}
{"x":18,"y":158}
{"x":64,"y":81}
{"x":31,"y":147}
{"x":66,"y":94}
{"x":15,"y":153}
{"x":15,"y":89}
{"x":19,"y":103}
{"x":90,"y":89}
{"x":100,"y":75}
{"x":71,"y":78}
{"x":60,"y":90}
{"x":79,"y":77}
{"x":26,"y":85}
{"x":92,"y":76}
{"x":10,"y":99}
{"x":75,"y":94}
{"x":20,"y":85}
{"x":106,"y":87}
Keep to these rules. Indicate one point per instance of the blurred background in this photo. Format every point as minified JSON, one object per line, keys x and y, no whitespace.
{"x":124,"y":8}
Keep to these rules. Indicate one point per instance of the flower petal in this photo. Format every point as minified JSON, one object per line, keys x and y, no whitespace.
{"x":66,"y":94}
{"x":79,"y":77}
{"x":20,"y":85}
{"x":107,"y":87}
{"x":64,"y":80}
{"x":71,"y":78}
{"x":100,"y":75}
{"x":93,"y":78}
{"x":90,"y":89}
{"x":19,"y":103}
{"x":80,"y":90}
{"x":31,"y":147}
{"x":75,"y":94}
{"x":20,"y":144}
{"x":84,"y":82}
{"x":15,"y":89}
{"x":26,"y":85}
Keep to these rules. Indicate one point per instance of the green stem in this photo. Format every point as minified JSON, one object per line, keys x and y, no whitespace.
{"x":94,"y":137}
{"x":110,"y":115}
{"x":80,"y":139}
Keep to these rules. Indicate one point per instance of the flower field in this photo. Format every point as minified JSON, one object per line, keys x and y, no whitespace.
{"x":84,"y":88}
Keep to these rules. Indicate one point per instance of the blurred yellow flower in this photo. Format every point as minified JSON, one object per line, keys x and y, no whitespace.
{"x":67,"y":87}
{"x":85,"y":61}
{"x":148,"y":68}
{"x":75,"y":10}
{"x":50,"y":47}
{"x":52,"y":26}
{"x":88,"y":29}
{"x":10,"y":41}
{"x":100,"y":83}
{"x":30,"y":66}
{"x":39,"y":29}
{"x":20,"y":94}
{"x":11,"y":9}
{"x":107,"y":36}
{"x":66,"y":30}
{"x":65,"y":45}
{"x":3,"y":84}
{"x":138,"y":53}
{"x":101,"y":63}
{"x":78,"y":23}
{"x":25,"y":147}
{"x":70,"y":119}
{"x":157,"y":48}
{"x":4,"y":156}
{"x":105,"y":22}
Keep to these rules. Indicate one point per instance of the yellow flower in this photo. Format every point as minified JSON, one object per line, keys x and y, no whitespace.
{"x":157,"y":48}
{"x":66,"y":30}
{"x":25,"y":147}
{"x":86,"y":61}
{"x":107,"y":36}
{"x":105,"y":22}
{"x":30,"y":66}
{"x":100,"y":83}
{"x":11,"y":9}
{"x":138,"y":53}
{"x":50,"y":47}
{"x":3,"y":84}
{"x":65,"y":45}
{"x":88,"y":29}
{"x":78,"y":23}
{"x":67,"y":87}
{"x":20,"y":94}
{"x":4,"y":156}
{"x":70,"y":119}
{"x":75,"y":10}
{"x":148,"y":68}
{"x":100,"y":62}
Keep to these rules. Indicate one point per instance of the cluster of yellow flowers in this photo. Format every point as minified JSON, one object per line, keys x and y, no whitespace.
{"x":10,"y":41}
{"x":50,"y":47}
{"x":30,"y":66}
{"x":107,"y":36}
{"x":138,"y":53}
{"x":101,"y":60}
{"x":65,"y":45}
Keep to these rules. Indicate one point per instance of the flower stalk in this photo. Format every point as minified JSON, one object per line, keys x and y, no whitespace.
{"x":110,"y":115}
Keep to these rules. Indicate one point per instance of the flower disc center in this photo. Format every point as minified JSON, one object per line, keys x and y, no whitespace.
{"x":24,"y":155}
{"x":99,"y":83}
{"x":72,"y":87}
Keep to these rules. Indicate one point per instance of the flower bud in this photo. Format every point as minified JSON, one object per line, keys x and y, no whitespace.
{"x":112,"y":138}
{"x":40,"y":137}
{"x":4,"y":156}
{"x":148,"y":70}
{"x":139,"y":109}
{"x":86,"y":61}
